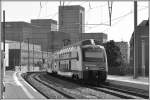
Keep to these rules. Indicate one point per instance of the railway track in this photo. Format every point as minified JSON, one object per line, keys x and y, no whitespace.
{"x":128,"y":90}
{"x":27,"y":77}
{"x":35,"y":76}
{"x":116,"y":92}
{"x":48,"y":80}
{"x":120,"y":91}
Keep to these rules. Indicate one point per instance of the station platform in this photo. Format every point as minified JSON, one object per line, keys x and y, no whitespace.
{"x":17,"y":88}
{"x":129,"y":81}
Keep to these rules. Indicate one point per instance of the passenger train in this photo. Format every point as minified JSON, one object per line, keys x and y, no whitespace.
{"x":84,"y":60}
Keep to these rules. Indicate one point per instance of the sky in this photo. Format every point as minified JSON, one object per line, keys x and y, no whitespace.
{"x":96,"y":12}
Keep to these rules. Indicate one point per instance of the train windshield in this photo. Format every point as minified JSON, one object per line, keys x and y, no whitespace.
{"x":97,"y":42}
{"x":93,"y":54}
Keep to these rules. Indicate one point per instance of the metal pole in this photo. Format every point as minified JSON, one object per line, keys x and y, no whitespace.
{"x":110,"y":11}
{"x":4,"y":30}
{"x":143,"y":58}
{"x":135,"y":42}
{"x":0,"y":63}
{"x":28,"y":56}
{"x":20,"y":52}
{"x":1,"y":60}
{"x":33,"y":56}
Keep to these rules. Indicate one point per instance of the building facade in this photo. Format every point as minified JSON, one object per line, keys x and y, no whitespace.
{"x":38,"y":32}
{"x":124,"y":49}
{"x":16,"y":56}
{"x":17,"y":31}
{"x":142,"y":46}
{"x":57,"y":40}
{"x":50,"y":41}
{"x":102,"y":37}
{"x":46,"y":25}
{"x":41,"y":30}
{"x":71,"y":21}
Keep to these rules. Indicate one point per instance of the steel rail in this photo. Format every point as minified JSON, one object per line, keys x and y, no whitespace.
{"x":107,"y":86}
{"x":35,"y":76}
{"x":125,"y":91}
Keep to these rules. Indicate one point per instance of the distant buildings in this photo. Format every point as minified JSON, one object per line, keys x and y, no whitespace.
{"x":45,"y":25}
{"x":16,"y":56}
{"x":142,"y":46}
{"x":17,"y":31}
{"x":56,"y":40}
{"x":71,"y":21}
{"x":50,"y":41}
{"x":124,"y":49}
{"x":40,"y":32}
{"x":44,"y":31}
{"x":102,"y":37}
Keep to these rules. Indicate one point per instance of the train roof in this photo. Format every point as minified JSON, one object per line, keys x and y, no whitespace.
{"x":86,"y":42}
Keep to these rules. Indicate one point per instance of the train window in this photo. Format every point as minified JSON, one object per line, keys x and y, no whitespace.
{"x":93,"y":55}
{"x":97,"y":42}
{"x":77,"y":56}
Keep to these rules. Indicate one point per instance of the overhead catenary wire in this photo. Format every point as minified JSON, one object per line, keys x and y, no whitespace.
{"x":104,"y":23}
{"x":94,"y":25}
{"x":40,"y":10}
{"x":117,"y":18}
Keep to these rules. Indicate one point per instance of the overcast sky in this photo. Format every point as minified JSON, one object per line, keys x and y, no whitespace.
{"x":95,"y":13}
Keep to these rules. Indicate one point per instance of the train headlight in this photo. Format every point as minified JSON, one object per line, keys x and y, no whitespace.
{"x":86,"y":68}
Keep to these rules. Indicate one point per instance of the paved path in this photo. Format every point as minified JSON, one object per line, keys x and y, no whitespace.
{"x":139,"y":80}
{"x":139,"y":83}
{"x":17,"y":88}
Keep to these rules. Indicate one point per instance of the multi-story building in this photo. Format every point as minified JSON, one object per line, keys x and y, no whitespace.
{"x":16,"y":54}
{"x":50,"y":41}
{"x":71,"y":21}
{"x":142,"y":46}
{"x":102,"y":37}
{"x":45,"y":33}
{"x":39,"y":32}
{"x":124,"y":49}
{"x":46,"y":25}
{"x":17,"y":31}
{"x":56,"y":40}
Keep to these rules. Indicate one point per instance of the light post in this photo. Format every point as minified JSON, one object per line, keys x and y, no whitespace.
{"x":143,"y":58}
{"x":135,"y":42}
{"x":28,"y":56}
{"x":33,"y":56}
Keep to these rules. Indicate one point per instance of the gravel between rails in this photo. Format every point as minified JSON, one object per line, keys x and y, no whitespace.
{"x":119,"y":91}
{"x":78,"y":88}
{"x":132,"y":91}
{"x":55,"y":87}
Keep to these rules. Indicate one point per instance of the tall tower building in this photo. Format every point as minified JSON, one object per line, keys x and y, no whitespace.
{"x":71,"y":21}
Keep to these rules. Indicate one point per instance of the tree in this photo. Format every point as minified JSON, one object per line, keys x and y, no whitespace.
{"x":114,"y":57}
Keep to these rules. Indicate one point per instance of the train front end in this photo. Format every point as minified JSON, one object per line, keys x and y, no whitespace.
{"x":94,"y":63}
